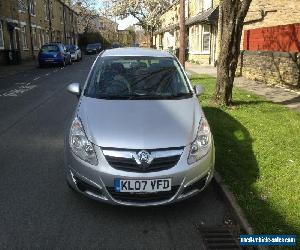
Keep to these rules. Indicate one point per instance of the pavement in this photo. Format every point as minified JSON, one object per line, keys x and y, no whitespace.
{"x":277,"y":94}
{"x":38,"y":210}
{"x":8,"y":70}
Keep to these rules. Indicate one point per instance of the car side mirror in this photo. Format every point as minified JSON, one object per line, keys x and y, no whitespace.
{"x":199,"y":90}
{"x":74,"y":88}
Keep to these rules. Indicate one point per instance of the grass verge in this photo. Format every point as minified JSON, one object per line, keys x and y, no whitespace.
{"x":258,"y":155}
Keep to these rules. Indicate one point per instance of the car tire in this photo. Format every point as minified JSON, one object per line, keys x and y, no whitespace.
{"x":63,"y":64}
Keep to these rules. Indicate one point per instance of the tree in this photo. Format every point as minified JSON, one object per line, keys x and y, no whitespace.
{"x":87,"y":15}
{"x":182,"y":33}
{"x":232,"y":14}
{"x":147,"y":12}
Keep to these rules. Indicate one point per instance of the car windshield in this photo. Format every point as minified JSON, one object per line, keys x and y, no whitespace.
{"x":92,"y":46}
{"x":50,"y":48}
{"x":137,"y":78}
{"x":71,"y":47}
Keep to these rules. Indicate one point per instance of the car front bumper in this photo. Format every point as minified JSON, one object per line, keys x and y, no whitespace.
{"x":97,"y":182}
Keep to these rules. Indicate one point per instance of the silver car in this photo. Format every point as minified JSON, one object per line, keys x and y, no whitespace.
{"x":138,"y":135}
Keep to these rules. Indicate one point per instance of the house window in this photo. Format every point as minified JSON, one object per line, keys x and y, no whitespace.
{"x":206,"y":38}
{"x":23,"y":37}
{"x":47,"y":37}
{"x":186,"y":8}
{"x":46,"y":10}
{"x":42,"y":37}
{"x":34,"y":37}
{"x":61,"y":14}
{"x":32,"y":4}
{"x":197,"y":37}
{"x":51,"y":10}
{"x":191,"y":39}
{"x":38,"y":38}
{"x":1,"y":36}
{"x":22,"y":5}
{"x":207,"y":4}
{"x":199,"y":5}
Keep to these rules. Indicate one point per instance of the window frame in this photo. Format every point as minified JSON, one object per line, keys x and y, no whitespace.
{"x":32,"y":7}
{"x":24,"y":37}
{"x":205,"y":33}
{"x":199,"y":6}
{"x":2,"y":35}
{"x":46,"y":10}
{"x":207,"y":4}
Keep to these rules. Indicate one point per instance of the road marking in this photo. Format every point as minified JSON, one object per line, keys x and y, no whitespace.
{"x":47,"y":74}
{"x":18,"y":91}
{"x":21,"y":83}
{"x":35,"y":79}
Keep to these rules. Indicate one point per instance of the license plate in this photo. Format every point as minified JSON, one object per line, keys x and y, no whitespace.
{"x":49,"y":60}
{"x":142,"y":186}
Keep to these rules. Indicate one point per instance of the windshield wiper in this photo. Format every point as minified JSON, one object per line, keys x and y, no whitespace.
{"x":113,"y":97}
{"x":178,"y":96}
{"x":160,"y":97}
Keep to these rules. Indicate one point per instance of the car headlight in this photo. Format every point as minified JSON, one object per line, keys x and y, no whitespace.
{"x":201,"y":145}
{"x":80,"y":144}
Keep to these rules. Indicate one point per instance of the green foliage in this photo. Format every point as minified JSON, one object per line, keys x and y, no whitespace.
{"x":258,"y":155}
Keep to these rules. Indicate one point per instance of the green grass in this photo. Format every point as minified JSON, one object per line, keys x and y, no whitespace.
{"x":258,"y":156}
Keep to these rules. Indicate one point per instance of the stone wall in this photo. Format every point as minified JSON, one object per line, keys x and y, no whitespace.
{"x":271,"y":67}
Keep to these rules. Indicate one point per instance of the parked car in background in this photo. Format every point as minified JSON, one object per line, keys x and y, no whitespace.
{"x":75,"y":51}
{"x":136,"y":45}
{"x":116,"y":45}
{"x":93,"y":48}
{"x":54,"y":54}
{"x":138,"y":136}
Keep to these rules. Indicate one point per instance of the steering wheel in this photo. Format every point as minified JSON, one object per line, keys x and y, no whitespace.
{"x":118,"y":86}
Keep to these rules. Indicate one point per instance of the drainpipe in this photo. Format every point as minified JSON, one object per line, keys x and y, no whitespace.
{"x":30,"y":29}
{"x":64,"y":17}
{"x":50,"y":20}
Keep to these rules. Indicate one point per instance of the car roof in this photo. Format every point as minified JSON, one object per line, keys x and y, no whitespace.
{"x":136,"y":52}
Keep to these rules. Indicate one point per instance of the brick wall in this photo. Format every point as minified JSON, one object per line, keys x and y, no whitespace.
{"x":279,"y":12}
{"x":278,"y":38}
{"x":271,"y":67}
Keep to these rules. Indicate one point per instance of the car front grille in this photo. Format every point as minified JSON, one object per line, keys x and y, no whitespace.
{"x":130,"y":165}
{"x":123,"y":160}
{"x":143,"y":197}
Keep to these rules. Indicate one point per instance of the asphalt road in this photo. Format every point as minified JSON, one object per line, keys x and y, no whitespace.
{"x":37,"y":208}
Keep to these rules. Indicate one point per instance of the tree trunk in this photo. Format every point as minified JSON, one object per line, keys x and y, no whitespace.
{"x":182,"y":34}
{"x":232,"y":14}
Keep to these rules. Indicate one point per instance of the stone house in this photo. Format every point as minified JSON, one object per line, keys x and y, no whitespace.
{"x":167,"y":36}
{"x":25,"y":25}
{"x":270,"y":43}
{"x":201,"y":30}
